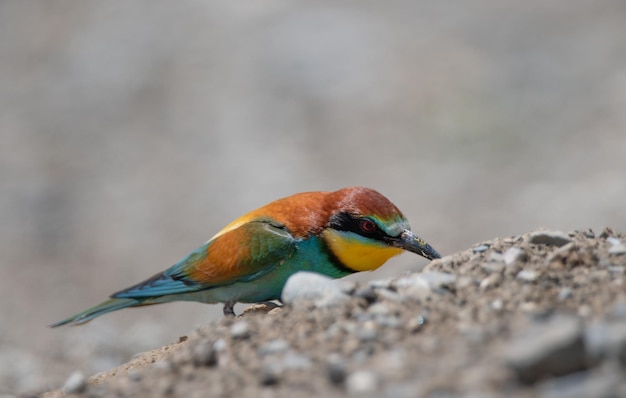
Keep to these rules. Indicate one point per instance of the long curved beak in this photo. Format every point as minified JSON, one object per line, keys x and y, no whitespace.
{"x":413,"y":243}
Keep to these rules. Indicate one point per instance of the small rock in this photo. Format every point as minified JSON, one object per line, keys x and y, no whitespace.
{"x":480,"y":248}
{"x":270,"y":374}
{"x":565,"y":293}
{"x":220,"y":345}
{"x":390,"y":295}
{"x":389,"y":321}
{"x":496,"y":257}
{"x":367,"y":332}
{"x":336,"y":371}
{"x":438,"y":280}
{"x":293,"y":360}
{"x":76,"y":383}
{"x":585,"y":311}
{"x":464,"y":282}
{"x":601,"y":383}
{"x":589,"y":234}
{"x":361,"y":382}
{"x":414,"y":287}
{"x":274,"y":347}
{"x":240,"y":330}
{"x":616,"y":269}
{"x":348,"y":286}
{"x":378,"y":309}
{"x":606,"y":340}
{"x":528,"y":275}
{"x":364,"y":353}
{"x":416,"y":324}
{"x":513,"y":255}
{"x":618,"y":312}
{"x":497,"y":304}
{"x":380,"y":283}
{"x":204,"y":354}
{"x":551,"y":348}
{"x":322,"y":290}
{"x":613,"y":241}
{"x":608,"y":232}
{"x":473,"y":334}
{"x":492,"y":267}
{"x":367,"y":293}
{"x":490,"y":281}
{"x":550,"y":238}
{"x":618,"y":249}
{"x":164,"y":365}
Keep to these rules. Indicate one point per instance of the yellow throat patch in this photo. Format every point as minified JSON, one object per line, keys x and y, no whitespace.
{"x":357,"y":254}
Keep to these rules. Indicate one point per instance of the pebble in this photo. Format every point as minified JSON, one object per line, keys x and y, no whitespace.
{"x":606,"y":340}
{"x":613,"y":241}
{"x":380,"y":283}
{"x":464,"y":282}
{"x":496,"y":257}
{"x":367,"y":293}
{"x":585,"y":311}
{"x":414,"y":287}
{"x":513,"y":255}
{"x":367,"y":331}
{"x":415,"y":324}
{"x":589,"y":234}
{"x":348,"y":286}
{"x":601,"y":383}
{"x":76,"y":383}
{"x":551,"y":348}
{"x":378,"y":309}
{"x":270,"y":374}
{"x":204,"y":354}
{"x":438,"y":280}
{"x":618,"y":249}
{"x":550,"y":238}
{"x":565,"y":293}
{"x":490,"y":281}
{"x":220,"y":345}
{"x":293,"y":360}
{"x":390,"y":295}
{"x":240,"y":330}
{"x":361,"y":382}
{"x":274,"y":347}
{"x":389,"y":321}
{"x":528,"y":275}
{"x":322,"y":290}
{"x":492,"y":267}
{"x":497,"y":304}
{"x":480,"y":248}
{"x":618,"y":311}
{"x":336,"y":371}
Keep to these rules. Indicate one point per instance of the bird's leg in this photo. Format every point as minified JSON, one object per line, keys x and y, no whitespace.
{"x":229,"y":308}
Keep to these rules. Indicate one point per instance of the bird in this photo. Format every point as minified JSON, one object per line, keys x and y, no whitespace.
{"x":335,"y":234}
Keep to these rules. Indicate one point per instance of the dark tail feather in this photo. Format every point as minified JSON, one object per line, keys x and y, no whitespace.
{"x":113,"y":304}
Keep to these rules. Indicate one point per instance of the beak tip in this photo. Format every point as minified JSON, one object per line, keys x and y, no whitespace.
{"x":413,"y":243}
{"x":431,"y":254}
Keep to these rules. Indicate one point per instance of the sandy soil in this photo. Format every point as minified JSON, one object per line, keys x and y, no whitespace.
{"x":543,"y":314}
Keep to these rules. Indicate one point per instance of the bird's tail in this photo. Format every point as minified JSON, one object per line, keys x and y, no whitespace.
{"x":113,"y":304}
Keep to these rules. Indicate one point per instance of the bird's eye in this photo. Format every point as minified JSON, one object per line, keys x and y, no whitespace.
{"x":368,"y":226}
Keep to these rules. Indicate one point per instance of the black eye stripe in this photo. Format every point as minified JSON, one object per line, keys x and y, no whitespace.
{"x":361,"y":226}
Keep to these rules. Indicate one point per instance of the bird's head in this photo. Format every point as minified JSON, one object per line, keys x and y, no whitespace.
{"x":365,"y":230}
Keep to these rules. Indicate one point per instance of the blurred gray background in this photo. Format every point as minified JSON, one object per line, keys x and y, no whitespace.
{"x":132,"y":131}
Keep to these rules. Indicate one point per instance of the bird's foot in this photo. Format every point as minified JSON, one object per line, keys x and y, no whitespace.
{"x":229,"y":308}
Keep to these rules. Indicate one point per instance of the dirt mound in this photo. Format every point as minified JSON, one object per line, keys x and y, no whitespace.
{"x":543,"y":314}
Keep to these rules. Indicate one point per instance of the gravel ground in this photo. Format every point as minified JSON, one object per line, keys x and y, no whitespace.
{"x":542,"y":314}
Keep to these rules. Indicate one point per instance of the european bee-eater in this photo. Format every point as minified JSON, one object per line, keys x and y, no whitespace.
{"x":333,"y":233}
